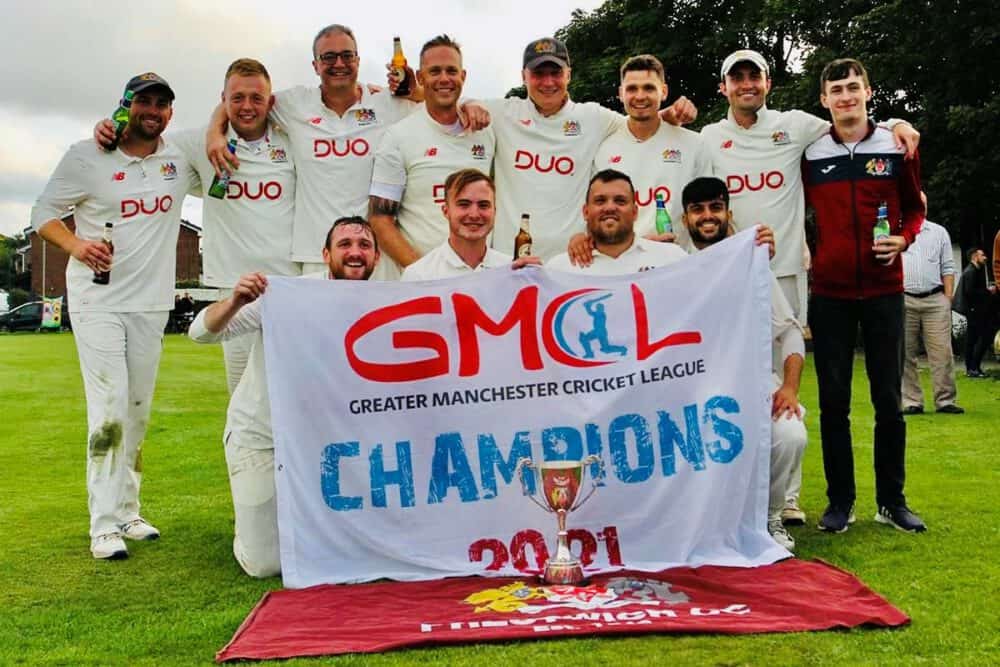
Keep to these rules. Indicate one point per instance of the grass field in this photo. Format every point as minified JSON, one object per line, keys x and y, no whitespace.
{"x":179,"y":600}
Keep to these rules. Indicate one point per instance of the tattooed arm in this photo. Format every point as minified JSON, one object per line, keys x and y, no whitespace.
{"x":382,"y":216}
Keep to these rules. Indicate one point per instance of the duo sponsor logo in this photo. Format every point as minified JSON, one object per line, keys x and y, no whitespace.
{"x":560,"y":164}
{"x":133,"y":207}
{"x":324,"y":148}
{"x":270,"y":190}
{"x":737,"y":183}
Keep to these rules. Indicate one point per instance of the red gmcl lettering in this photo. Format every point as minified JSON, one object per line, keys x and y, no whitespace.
{"x":737,"y":183}
{"x":340,"y":147}
{"x":562,"y":165}
{"x":651,"y":193}
{"x":237,"y":189}
{"x":471,"y":321}
{"x":133,"y":207}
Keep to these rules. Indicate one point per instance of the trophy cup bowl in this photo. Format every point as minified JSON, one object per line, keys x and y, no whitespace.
{"x":560,"y":483}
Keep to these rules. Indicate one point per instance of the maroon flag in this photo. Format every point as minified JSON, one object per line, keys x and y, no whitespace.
{"x":789,"y":596}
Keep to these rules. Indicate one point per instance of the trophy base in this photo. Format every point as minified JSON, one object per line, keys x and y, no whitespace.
{"x":569,"y":573}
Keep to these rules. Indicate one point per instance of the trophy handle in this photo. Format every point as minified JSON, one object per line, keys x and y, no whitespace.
{"x":593,"y":458}
{"x":525,"y":465}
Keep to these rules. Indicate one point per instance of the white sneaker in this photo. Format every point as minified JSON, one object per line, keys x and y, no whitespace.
{"x":779,"y":534}
{"x":139,"y":529}
{"x":109,"y":546}
{"x":791,"y":515}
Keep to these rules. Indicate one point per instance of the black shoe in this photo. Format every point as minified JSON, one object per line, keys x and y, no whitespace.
{"x":836,"y":519}
{"x":900,"y":518}
{"x":914,"y":410}
{"x":951,"y":410}
{"x":976,"y":374}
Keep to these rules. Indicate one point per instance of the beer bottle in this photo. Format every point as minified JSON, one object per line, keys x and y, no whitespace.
{"x":881,"y":229}
{"x":104,"y":277}
{"x":220,"y":184}
{"x":398,"y":71}
{"x":522,"y":242}
{"x":120,"y":118}
{"x":663,"y":222}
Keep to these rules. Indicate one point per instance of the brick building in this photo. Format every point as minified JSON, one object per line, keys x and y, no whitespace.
{"x":47,"y":262}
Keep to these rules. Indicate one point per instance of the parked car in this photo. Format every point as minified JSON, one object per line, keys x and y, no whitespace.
{"x":28,"y":317}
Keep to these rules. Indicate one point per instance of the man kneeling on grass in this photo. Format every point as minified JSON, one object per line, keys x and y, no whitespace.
{"x":351,"y":253}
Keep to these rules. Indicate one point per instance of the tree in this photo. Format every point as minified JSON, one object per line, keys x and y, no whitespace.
{"x":931,"y":62}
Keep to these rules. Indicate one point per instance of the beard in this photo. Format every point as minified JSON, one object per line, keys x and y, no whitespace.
{"x":721,"y":232}
{"x":619,"y":234}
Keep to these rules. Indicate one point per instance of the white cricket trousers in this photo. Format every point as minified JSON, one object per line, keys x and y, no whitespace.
{"x":255,"y":508}
{"x":788,"y":442}
{"x":119,"y":356}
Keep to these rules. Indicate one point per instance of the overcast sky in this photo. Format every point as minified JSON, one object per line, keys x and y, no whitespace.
{"x":64,"y":63}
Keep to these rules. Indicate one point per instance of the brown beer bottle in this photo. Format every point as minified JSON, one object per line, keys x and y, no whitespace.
{"x":522,"y":242}
{"x":104,"y":277}
{"x":399,"y":69}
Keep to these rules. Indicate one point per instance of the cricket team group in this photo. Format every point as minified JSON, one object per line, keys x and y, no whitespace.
{"x":347,"y":181}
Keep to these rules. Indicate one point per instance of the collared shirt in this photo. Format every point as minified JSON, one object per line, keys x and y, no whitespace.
{"x":251,"y":229}
{"x":927,"y":259}
{"x":542,"y":168}
{"x":334,"y":156}
{"x":413,"y":160}
{"x":249,"y":415}
{"x":761,"y":166}
{"x":642,"y":255}
{"x":142,"y":198}
{"x":662,"y":164}
{"x":444,"y":262}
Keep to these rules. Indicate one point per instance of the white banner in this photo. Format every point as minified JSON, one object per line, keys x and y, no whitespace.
{"x":400,"y":411}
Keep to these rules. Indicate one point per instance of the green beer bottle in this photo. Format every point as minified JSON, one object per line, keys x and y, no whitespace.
{"x":120,"y":118}
{"x":220,"y":184}
{"x":663,"y":222}
{"x":881,"y":229}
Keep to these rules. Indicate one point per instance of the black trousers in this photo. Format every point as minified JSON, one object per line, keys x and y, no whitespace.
{"x":834,"y":324}
{"x":977,"y":337}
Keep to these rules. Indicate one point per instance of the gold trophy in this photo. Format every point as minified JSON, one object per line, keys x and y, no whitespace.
{"x":560,"y":482}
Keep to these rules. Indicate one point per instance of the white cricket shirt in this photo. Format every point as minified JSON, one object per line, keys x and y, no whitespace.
{"x":762,"y":169}
{"x":542,"y":168}
{"x":142,"y":198}
{"x":251,"y":229}
{"x":413,"y":160}
{"x":664,"y":163}
{"x":642,"y":255}
{"x":444,"y":262}
{"x":334,"y":156}
{"x":249,"y":414}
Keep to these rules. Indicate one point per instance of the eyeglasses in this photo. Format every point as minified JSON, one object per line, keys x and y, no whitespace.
{"x":331,"y":57}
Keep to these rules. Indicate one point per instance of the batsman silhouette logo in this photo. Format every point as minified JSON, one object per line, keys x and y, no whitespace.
{"x":616,"y":593}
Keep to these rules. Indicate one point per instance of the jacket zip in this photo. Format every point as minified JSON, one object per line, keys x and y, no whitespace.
{"x":857,"y":228}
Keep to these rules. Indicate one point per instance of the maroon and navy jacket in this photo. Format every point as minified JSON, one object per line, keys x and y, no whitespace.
{"x":845,"y":187}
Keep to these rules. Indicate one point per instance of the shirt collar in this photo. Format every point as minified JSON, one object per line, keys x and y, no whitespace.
{"x":836,"y":137}
{"x":761,"y":112}
{"x":452,"y":259}
{"x":637,"y":247}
